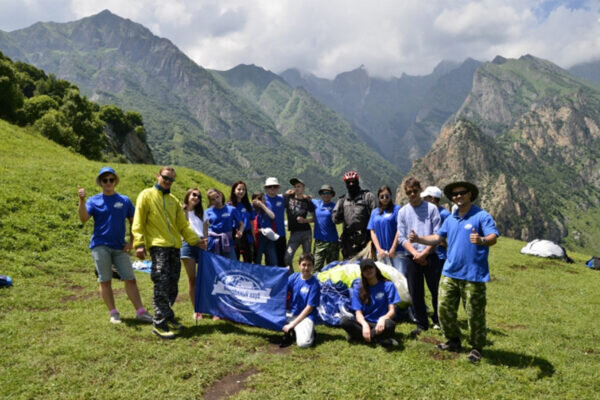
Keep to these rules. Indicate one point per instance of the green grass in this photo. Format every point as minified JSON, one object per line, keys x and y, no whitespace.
{"x":57,"y":342}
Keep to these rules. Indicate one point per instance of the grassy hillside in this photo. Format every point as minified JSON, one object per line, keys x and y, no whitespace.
{"x":57,"y":342}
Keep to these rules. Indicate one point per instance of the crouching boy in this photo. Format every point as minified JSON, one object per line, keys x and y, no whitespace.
{"x":304,"y":295}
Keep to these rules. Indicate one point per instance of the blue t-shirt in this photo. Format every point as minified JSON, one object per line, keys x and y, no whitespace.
{"x":467,"y":261}
{"x":303,"y":293}
{"x":246,"y":217}
{"x":263,"y":220}
{"x":325,"y":229}
{"x":382,"y":295}
{"x":441,"y":250}
{"x":385,"y":226}
{"x":221,"y":220}
{"x":110,"y":213}
{"x":277,"y":205}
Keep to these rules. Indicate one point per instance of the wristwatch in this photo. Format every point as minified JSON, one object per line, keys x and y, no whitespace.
{"x":482,"y":241}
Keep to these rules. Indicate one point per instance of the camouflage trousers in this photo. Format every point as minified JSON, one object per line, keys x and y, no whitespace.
{"x":473,"y":296}
{"x":166,"y":268}
{"x":325,"y":252}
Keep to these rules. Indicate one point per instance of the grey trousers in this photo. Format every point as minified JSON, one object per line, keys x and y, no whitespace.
{"x":296,"y":239}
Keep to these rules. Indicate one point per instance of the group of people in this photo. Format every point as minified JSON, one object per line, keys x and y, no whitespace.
{"x":421,"y":239}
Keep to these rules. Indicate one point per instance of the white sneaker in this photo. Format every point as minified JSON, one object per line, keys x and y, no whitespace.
{"x":436,"y":327}
{"x":145,"y":317}
{"x":115,"y":318}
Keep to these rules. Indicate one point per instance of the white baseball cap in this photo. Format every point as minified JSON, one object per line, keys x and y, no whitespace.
{"x":432,"y":191}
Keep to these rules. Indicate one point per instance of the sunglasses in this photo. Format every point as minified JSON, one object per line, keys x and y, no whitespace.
{"x":107,"y":180}
{"x":384,"y":196}
{"x":167,"y":178}
{"x":411,"y":192}
{"x":195,"y":195}
{"x":326,"y":192}
{"x":459,"y":193}
{"x":271,"y":186}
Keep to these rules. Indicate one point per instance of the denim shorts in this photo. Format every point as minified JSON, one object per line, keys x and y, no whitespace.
{"x":188,"y":251}
{"x":105,"y":257}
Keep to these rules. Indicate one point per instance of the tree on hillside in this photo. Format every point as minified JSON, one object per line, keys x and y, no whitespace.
{"x":11,"y":97}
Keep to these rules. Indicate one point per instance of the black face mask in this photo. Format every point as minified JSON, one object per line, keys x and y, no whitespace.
{"x":353,"y":190}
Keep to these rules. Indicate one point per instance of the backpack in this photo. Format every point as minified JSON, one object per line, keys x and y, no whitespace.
{"x":593,"y":263}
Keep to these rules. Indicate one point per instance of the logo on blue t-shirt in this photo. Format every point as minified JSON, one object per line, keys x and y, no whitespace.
{"x":279,"y":204}
{"x":304,"y":290}
{"x":468,"y":226}
{"x":225,"y":215}
{"x":379,"y":296}
{"x":118,"y":205}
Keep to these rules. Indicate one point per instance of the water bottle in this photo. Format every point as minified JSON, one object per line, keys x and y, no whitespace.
{"x":5,"y":281}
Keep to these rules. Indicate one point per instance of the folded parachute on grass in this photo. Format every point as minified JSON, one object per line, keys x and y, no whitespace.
{"x":546,"y":249}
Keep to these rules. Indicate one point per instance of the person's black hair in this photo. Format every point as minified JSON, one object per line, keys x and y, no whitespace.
{"x":198,"y":209}
{"x":233,"y":198}
{"x":390,"y":206}
{"x":363,"y":293}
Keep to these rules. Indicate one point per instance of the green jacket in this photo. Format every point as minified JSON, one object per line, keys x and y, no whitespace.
{"x":160,"y":221}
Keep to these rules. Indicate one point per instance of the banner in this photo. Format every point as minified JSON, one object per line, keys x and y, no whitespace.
{"x":247,"y":293}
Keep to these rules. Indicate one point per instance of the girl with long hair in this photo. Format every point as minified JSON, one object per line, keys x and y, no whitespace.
{"x":373,"y":304}
{"x":221,"y":220}
{"x":238,"y":198}
{"x":192,"y":207}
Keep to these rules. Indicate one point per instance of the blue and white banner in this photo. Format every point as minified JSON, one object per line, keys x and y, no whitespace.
{"x":247,"y":293}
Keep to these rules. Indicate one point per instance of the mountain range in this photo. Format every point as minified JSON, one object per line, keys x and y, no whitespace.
{"x":193,"y":117}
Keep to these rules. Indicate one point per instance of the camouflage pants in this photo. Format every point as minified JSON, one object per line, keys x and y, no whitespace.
{"x":325,"y":252}
{"x":166,"y":267}
{"x":473,"y":295}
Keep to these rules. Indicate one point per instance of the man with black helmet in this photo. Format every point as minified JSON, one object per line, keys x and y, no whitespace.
{"x":354,"y":210}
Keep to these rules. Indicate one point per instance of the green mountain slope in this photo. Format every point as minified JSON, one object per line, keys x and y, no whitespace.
{"x":191,"y":117}
{"x":533,"y":147}
{"x":302,"y":120}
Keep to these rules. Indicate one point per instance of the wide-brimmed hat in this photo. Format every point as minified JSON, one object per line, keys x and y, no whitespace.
{"x":470,"y":187}
{"x":295,"y":181}
{"x":271,"y":181}
{"x":327,"y":188}
{"x":106,"y":170}
{"x":432,"y":191}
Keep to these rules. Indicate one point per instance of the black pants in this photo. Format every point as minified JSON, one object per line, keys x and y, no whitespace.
{"x":416,"y":275}
{"x":280,"y":248}
{"x":166,"y":267}
{"x":354,"y":329}
{"x":244,"y":248}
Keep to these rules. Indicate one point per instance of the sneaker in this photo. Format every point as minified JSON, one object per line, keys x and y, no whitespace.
{"x":436,"y":327}
{"x":145,"y":317}
{"x":474,"y":356}
{"x":115,"y":318}
{"x":286,"y":340}
{"x":163,"y":331}
{"x":390,"y":342}
{"x":175,"y":326}
{"x":451,"y":345}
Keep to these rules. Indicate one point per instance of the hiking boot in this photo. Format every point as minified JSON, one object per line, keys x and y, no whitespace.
{"x":145,"y":317}
{"x":436,"y":327}
{"x":416,"y":332}
{"x":474,"y":356}
{"x":451,"y":345}
{"x":390,"y":342}
{"x":115,"y":318}
{"x":163,"y":331}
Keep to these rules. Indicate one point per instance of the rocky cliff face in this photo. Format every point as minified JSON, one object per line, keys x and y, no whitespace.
{"x":538,"y":159}
{"x":131,"y":146}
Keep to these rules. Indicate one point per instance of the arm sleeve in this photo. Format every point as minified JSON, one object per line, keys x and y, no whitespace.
{"x":402,"y":234}
{"x":436,"y":220}
{"x":488,"y":225}
{"x":370,"y":225}
{"x":337,"y":215}
{"x":314,"y":297}
{"x":130,"y":209}
{"x":393,"y":296}
{"x":139,"y":221}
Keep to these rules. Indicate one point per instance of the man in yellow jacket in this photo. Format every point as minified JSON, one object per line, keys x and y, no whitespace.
{"x":158,"y":225}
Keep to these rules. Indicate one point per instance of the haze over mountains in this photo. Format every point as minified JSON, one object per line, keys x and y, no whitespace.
{"x":526,"y":131}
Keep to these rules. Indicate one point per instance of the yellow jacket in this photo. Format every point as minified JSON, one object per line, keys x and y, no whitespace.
{"x":160,"y":221}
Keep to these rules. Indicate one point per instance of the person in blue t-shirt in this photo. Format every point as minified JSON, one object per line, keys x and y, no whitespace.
{"x":469,"y":232}
{"x":326,"y":247}
{"x":373,"y":300}
{"x":221,"y":220}
{"x":384,"y":230}
{"x":433,"y":195}
{"x":244,"y":246}
{"x":265,"y":236}
{"x":304,"y":293}
{"x":110,"y":210}
{"x":276,"y":203}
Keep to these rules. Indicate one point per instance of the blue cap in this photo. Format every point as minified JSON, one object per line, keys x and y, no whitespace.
{"x":105,"y":170}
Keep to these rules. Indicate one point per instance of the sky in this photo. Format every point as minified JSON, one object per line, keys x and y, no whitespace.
{"x":327,"y":37}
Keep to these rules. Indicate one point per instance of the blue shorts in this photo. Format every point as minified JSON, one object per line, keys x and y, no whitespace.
{"x":188,"y":251}
{"x":105,"y":257}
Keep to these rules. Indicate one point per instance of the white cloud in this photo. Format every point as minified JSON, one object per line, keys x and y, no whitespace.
{"x":328,"y":37}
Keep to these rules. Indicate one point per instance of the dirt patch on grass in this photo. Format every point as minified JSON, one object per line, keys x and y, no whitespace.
{"x":430,"y":340}
{"x":590,"y":351}
{"x":80,"y":294}
{"x":572,"y":272}
{"x":507,"y":326}
{"x":518,"y":267}
{"x":274,"y":348}
{"x":444,"y":355}
{"x":229,"y":385}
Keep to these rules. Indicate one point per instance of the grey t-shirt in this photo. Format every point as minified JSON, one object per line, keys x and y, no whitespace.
{"x":423,"y":219}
